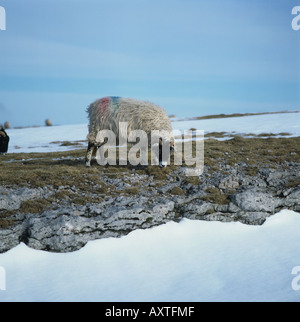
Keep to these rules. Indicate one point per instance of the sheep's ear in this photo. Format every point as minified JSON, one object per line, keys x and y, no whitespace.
{"x":172,"y":146}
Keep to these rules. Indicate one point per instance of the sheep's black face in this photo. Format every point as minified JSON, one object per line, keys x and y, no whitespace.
{"x":165,"y":149}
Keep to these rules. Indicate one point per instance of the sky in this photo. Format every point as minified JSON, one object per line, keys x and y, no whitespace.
{"x":192,"y":57}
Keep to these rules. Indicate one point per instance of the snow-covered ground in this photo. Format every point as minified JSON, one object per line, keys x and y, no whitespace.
{"x":43,"y":139}
{"x":255,"y":124}
{"x":40,"y":139}
{"x":186,"y":261}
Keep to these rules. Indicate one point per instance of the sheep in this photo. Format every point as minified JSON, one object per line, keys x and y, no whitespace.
{"x":4,"y":140}
{"x":48,"y":122}
{"x":108,"y":113}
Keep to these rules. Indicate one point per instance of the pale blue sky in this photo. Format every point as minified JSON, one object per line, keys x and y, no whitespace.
{"x":193,"y":57}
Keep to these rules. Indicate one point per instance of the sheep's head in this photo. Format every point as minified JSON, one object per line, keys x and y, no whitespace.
{"x":165,"y":149}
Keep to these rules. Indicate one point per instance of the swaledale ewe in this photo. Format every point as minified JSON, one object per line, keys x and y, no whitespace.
{"x":109,"y":113}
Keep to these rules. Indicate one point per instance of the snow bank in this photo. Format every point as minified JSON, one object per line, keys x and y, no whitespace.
{"x":256,"y":124}
{"x":189,"y":261}
{"x":39,"y":139}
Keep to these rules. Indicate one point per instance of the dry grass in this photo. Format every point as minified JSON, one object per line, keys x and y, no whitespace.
{"x":67,"y":168}
{"x":5,"y":221}
{"x":253,"y":151}
{"x":217,"y":116}
{"x":177,"y":191}
{"x":45,"y":169}
{"x":35,"y":206}
{"x":63,"y":171}
{"x":214,"y":195}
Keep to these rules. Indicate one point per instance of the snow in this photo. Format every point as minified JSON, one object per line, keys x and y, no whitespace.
{"x":186,"y":261}
{"x":40,"y":139}
{"x":256,"y":124}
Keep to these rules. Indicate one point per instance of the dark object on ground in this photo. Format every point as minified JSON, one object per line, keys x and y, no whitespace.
{"x":4,"y":140}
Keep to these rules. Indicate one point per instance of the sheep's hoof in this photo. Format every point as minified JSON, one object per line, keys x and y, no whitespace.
{"x":88,"y":165}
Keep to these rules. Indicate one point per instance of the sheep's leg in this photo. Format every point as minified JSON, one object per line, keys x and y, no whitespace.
{"x":89,"y":153}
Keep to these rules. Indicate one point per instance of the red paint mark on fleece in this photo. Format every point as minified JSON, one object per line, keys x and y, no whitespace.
{"x":103,"y":106}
